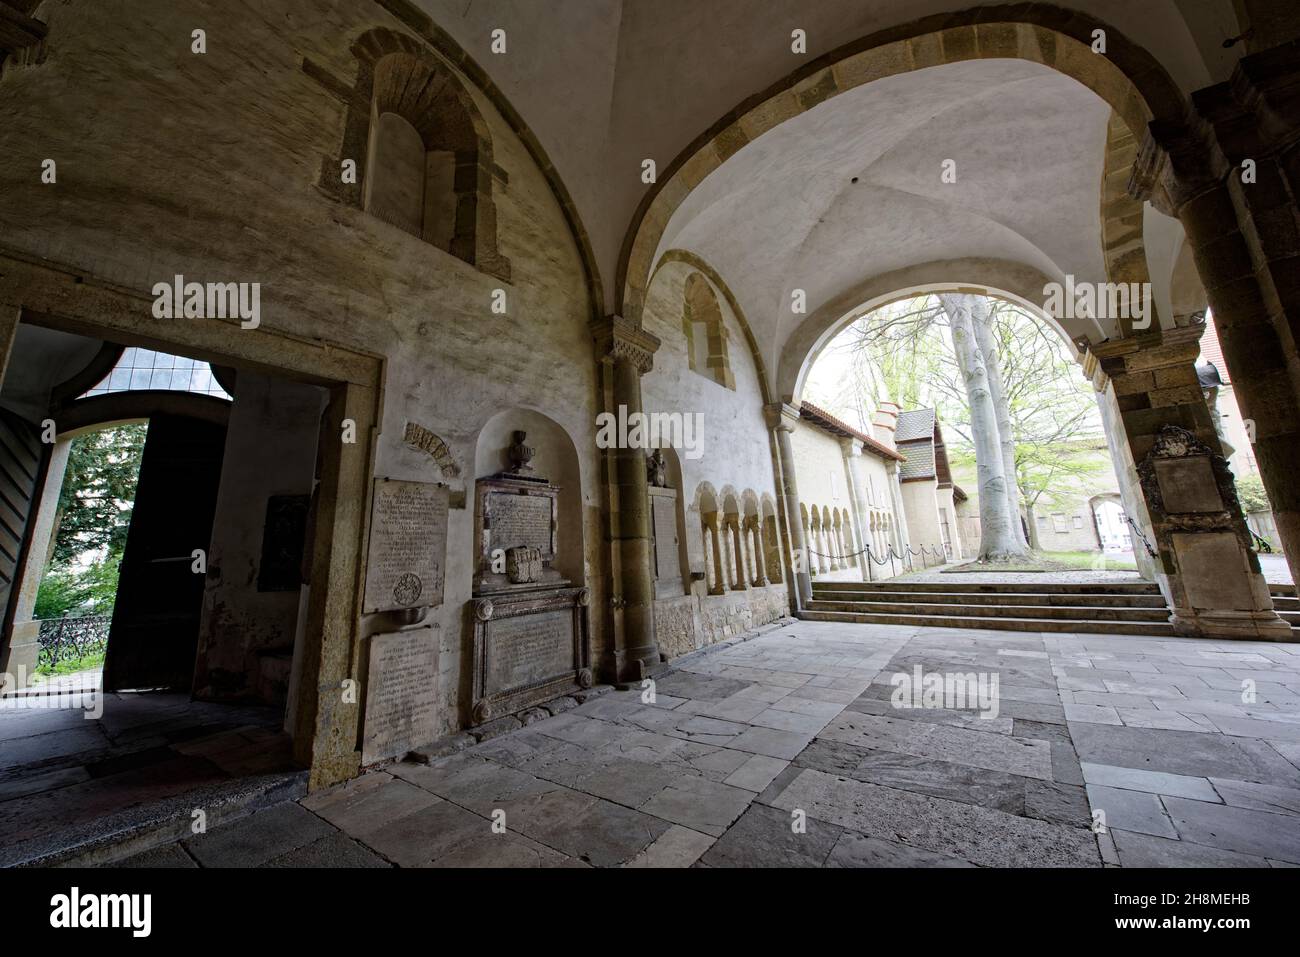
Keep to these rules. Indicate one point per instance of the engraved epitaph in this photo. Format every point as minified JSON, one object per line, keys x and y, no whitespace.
{"x":408,"y":539}
{"x":531,"y":639}
{"x":401,"y":694}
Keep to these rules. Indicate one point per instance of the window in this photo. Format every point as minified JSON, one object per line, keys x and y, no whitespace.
{"x":145,"y":369}
{"x":835,"y":484}
{"x":1058,"y":523}
{"x":706,"y":333}
{"x":1078,"y":521}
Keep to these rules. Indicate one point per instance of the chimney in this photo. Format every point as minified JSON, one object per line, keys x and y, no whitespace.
{"x":885,"y":423}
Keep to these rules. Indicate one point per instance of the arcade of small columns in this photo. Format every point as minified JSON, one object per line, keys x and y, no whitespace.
{"x":741,"y":550}
{"x":832,"y":547}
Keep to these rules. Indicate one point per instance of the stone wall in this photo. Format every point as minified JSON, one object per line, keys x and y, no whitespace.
{"x":696,"y":621}
{"x":144,"y":192}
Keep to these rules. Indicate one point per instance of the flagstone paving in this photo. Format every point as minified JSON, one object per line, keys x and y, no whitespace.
{"x":787,"y":750}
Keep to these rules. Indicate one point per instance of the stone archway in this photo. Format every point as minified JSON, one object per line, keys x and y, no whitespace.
{"x":325,"y":723}
{"x":1128,"y":78}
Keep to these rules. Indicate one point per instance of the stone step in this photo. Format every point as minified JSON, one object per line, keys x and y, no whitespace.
{"x":998,"y":598}
{"x":143,"y":827}
{"x":1282,"y":591}
{"x":993,"y":588}
{"x":1149,"y":628}
{"x":1071,"y":612}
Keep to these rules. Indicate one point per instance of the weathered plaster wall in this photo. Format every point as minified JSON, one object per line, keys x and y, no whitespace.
{"x":920,"y":504}
{"x":817,"y":458}
{"x":246,"y":635}
{"x":207,"y":165}
{"x":734,"y":460}
{"x":735,"y":447}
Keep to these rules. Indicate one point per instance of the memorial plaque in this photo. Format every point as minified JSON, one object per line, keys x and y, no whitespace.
{"x":520,"y":520}
{"x":401,"y":694}
{"x":529,"y":647}
{"x":1188,"y":485}
{"x":408,"y":539}
{"x":515,"y":514}
{"x":663,"y":508}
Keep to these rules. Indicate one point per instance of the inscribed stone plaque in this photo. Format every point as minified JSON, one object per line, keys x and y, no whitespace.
{"x":663,"y":510}
{"x":408,"y":539}
{"x":1188,"y":485}
{"x":522,"y":651}
{"x":1212,"y":568}
{"x":520,"y":520}
{"x":401,"y":693}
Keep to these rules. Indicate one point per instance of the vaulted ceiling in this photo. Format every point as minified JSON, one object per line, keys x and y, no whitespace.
{"x":605,"y":84}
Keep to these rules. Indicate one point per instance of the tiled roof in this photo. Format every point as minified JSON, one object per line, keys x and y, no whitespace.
{"x":827,"y":422}
{"x":915,"y":424}
{"x":920,"y":460}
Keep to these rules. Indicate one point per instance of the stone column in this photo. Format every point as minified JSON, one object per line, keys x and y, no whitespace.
{"x":755,"y":527}
{"x":626,"y":353}
{"x":1207,"y":569}
{"x":781,"y":419}
{"x":1230,"y":175}
{"x":737,"y":553}
{"x":857,"y":498}
{"x":713,"y":555}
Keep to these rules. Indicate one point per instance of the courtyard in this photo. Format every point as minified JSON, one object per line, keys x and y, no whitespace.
{"x":783,"y":749}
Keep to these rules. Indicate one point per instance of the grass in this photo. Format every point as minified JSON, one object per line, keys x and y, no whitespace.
{"x":67,"y":666}
{"x":1054,"y":562}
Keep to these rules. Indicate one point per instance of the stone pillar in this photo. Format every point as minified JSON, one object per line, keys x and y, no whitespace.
{"x":626,"y":352}
{"x":1208,"y":571}
{"x":737,"y":553}
{"x":781,"y":419}
{"x":755,"y":527}
{"x":901,"y":537}
{"x":713,"y":555}
{"x":857,"y":498}
{"x":1230,"y":175}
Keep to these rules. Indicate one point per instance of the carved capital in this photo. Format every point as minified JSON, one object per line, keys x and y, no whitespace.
{"x":622,"y":340}
{"x":781,"y":416}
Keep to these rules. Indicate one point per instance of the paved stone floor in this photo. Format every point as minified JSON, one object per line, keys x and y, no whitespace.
{"x":746,"y":740}
{"x":76,"y":766}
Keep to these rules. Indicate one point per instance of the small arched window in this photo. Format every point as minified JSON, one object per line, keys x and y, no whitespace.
{"x":706,"y":332}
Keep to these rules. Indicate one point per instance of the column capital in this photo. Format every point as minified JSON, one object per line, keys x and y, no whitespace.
{"x":618,"y":339}
{"x":1143,"y":352}
{"x":781,"y":416}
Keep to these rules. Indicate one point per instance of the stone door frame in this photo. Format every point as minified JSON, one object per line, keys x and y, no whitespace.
{"x":325,"y":725}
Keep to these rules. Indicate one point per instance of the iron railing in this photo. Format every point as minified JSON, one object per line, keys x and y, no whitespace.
{"x":72,"y":638}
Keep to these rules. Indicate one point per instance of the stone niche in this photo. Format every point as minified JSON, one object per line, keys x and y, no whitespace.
{"x":531,"y":638}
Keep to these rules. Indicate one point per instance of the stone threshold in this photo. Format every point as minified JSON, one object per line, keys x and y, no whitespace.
{"x":138,"y":829}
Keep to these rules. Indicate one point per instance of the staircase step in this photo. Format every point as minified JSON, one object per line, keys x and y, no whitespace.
{"x":999,"y":598}
{"x":1149,"y":628}
{"x":993,"y":588}
{"x":1060,"y":612}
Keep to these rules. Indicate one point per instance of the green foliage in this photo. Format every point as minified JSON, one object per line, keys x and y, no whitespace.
{"x":67,"y":666}
{"x":1250,"y":490}
{"x":98,"y":489}
{"x":903,"y":352}
{"x":88,"y":591}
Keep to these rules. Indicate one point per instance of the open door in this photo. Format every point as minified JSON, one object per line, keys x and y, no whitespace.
{"x":154,"y":634}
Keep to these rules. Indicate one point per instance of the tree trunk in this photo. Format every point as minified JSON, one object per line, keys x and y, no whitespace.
{"x":1000,"y":541}
{"x":982,"y":320}
{"x":1032,"y":522}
